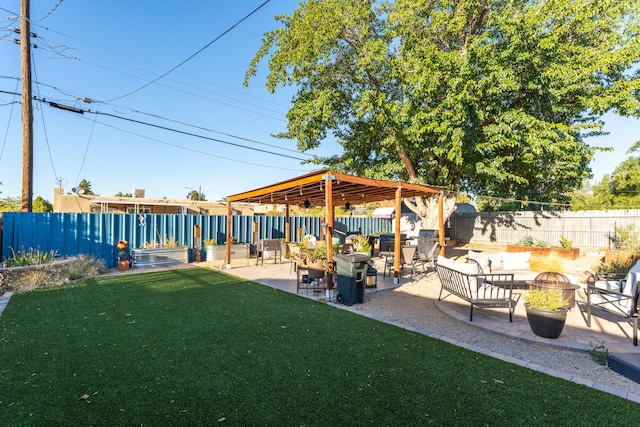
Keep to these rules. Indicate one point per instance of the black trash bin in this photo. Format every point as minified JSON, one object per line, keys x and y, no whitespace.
{"x":351,"y":271}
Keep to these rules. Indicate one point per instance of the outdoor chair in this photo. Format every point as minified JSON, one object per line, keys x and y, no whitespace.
{"x":294,"y":253}
{"x":407,"y":257}
{"x":616,"y":295}
{"x":428,"y":255}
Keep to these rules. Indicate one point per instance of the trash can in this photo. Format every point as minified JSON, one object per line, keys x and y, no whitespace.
{"x":351,"y":271}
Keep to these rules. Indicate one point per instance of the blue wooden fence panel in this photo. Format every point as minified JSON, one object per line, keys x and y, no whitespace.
{"x":70,"y":234}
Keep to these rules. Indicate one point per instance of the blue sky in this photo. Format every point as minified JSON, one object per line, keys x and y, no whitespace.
{"x":103,"y":51}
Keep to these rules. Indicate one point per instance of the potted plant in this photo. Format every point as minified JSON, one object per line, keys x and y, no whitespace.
{"x":314,"y":259}
{"x":210,"y":247}
{"x":361,"y":244}
{"x":546,"y":312}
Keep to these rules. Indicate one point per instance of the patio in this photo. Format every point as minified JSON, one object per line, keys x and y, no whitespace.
{"x":613,"y":331}
{"x":412,"y":305}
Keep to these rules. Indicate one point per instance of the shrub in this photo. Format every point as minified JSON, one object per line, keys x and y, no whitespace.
{"x":30,"y":257}
{"x":619,"y":262}
{"x":566,"y":243}
{"x":526,"y":241}
{"x":549,"y":299}
{"x":51,"y":274}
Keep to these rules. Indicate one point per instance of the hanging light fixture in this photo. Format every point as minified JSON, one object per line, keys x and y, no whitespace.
{"x":347,"y":206}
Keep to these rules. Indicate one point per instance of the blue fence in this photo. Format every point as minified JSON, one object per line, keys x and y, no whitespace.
{"x":72,"y":234}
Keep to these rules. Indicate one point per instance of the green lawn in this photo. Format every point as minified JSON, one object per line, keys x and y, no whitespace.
{"x":197,"y":347}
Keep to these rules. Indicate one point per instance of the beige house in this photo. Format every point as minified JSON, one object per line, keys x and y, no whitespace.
{"x":103,"y":204}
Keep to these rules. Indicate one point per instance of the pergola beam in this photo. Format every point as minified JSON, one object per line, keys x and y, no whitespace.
{"x":329,"y":189}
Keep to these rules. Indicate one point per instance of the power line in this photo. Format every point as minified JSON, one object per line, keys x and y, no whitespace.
{"x":222,"y":133}
{"x":204,"y":153}
{"x":61,"y":105}
{"x":135,"y":58}
{"x":194,"y":135}
{"x":195,"y":54}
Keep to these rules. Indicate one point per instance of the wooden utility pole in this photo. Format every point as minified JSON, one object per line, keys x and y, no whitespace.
{"x":27,"y":115}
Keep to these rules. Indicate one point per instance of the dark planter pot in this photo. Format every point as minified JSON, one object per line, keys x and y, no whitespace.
{"x":546,"y":323}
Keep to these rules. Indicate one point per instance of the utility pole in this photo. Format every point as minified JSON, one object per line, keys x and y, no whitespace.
{"x":27,"y":112}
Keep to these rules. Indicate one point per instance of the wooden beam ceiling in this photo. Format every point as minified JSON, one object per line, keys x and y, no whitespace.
{"x":346,"y":188}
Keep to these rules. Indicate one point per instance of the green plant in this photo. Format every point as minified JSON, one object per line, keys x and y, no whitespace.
{"x":548,"y":299}
{"x":168,"y":244}
{"x":361,"y":244}
{"x":210,"y":242}
{"x":541,"y":243}
{"x":526,"y":241}
{"x":618,"y":262}
{"x":566,"y":243}
{"x":626,"y":238}
{"x":313,"y":253}
{"x":599,"y":352}
{"x":29,"y":257}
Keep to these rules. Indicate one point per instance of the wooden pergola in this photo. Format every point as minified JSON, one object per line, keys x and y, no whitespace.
{"x":329,"y":189}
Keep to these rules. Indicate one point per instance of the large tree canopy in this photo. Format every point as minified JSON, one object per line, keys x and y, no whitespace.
{"x":489,"y":97}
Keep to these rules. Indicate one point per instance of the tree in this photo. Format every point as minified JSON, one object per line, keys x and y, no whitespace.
{"x":195,"y":195}
{"x":42,"y":205}
{"x":84,"y":187}
{"x":621,"y":189}
{"x":121,"y":194}
{"x":490,"y":97}
{"x":10,"y":204}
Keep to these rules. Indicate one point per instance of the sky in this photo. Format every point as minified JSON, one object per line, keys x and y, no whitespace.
{"x":197,"y":128}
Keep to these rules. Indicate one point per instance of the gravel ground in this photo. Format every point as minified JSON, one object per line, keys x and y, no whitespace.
{"x":414,"y":305}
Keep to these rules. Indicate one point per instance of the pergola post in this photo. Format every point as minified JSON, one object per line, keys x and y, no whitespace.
{"x":396,"y":240}
{"x":228,"y":255}
{"x":441,"y":221}
{"x":328,"y":201}
{"x":287,"y":226}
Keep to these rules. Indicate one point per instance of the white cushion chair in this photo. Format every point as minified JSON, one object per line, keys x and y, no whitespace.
{"x":615,"y":295}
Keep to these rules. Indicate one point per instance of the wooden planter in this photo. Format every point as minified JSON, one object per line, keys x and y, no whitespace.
{"x":572,"y":253}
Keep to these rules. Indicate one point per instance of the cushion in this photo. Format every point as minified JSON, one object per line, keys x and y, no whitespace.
{"x":631,"y":277}
{"x":482,"y":259}
{"x":516,"y":261}
{"x":446,"y":262}
{"x":495,"y":260}
{"x":466,"y":268}
{"x":608,"y":285}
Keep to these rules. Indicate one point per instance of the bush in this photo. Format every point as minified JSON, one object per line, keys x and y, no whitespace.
{"x":526,"y":241}
{"x":618,"y":262}
{"x":51,"y":274}
{"x":29,"y":257}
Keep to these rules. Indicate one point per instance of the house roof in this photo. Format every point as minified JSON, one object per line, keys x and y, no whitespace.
{"x":345,"y":188}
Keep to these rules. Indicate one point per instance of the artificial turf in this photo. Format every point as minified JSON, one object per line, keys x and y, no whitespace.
{"x":198,"y":347}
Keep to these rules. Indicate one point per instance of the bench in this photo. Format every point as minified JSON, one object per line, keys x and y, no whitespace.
{"x":461,"y":279}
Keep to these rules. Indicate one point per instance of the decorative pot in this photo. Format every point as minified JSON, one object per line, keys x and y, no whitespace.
{"x":546,"y":323}
{"x":123,"y":265}
{"x":315,"y":268}
{"x":122,"y":245}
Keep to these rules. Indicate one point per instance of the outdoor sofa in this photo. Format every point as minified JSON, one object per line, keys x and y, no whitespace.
{"x":478,"y":289}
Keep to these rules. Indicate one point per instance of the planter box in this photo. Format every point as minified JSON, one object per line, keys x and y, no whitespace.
{"x":159,"y":256}
{"x":219,"y":252}
{"x":573,"y":253}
